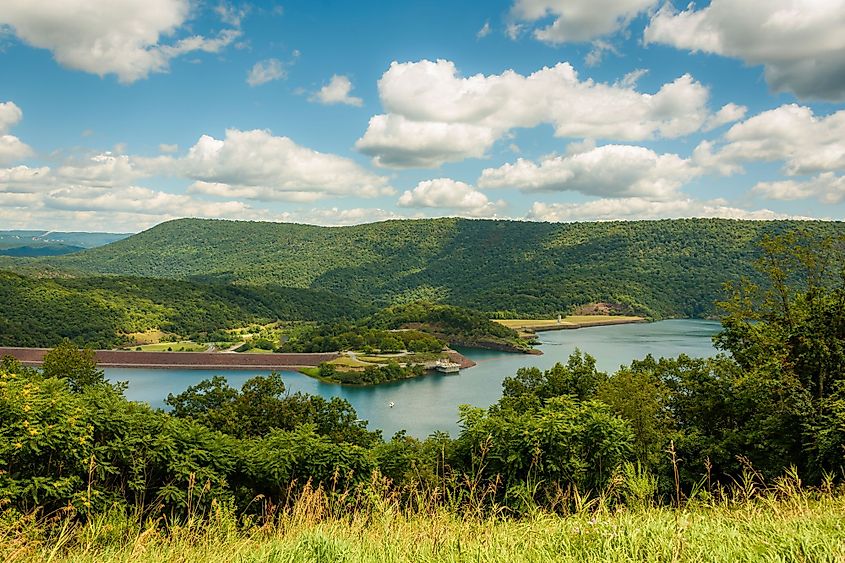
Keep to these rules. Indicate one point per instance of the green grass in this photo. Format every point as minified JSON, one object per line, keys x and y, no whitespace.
{"x":580,"y":320}
{"x":795,"y":528}
{"x":311,"y":372}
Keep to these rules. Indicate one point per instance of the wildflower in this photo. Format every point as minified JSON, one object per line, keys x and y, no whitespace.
{"x":18,"y":445}
{"x":27,"y":408}
{"x":33,"y":431}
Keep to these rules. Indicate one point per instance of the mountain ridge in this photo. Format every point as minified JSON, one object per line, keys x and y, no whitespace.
{"x":672,"y":267}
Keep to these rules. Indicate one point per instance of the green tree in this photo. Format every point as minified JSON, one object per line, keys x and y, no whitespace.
{"x":77,"y":366}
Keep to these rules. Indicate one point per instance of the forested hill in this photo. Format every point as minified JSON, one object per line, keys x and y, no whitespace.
{"x":662,"y":268}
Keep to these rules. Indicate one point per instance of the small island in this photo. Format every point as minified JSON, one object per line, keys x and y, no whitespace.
{"x":402,"y":342}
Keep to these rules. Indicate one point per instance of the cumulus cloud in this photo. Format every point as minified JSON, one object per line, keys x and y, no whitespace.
{"x":105,"y":170}
{"x":806,"y":143}
{"x":578,"y":20}
{"x":24,"y":179}
{"x":266,"y":71}
{"x":446,"y":193}
{"x":826,"y":187}
{"x":729,"y":113}
{"x":800,"y":43}
{"x":609,"y":170}
{"x":12,"y":149}
{"x":68,"y":196}
{"x":117,"y":37}
{"x":257,"y":165}
{"x":337,"y":91}
{"x":397,"y":142}
{"x":435,"y":116}
{"x":10,"y":115}
{"x":334,"y":216}
{"x":631,"y":209}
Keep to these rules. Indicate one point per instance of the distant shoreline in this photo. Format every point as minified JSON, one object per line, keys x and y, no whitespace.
{"x":574,"y":326}
{"x":532,"y":326}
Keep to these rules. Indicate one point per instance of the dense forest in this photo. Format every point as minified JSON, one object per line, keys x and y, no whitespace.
{"x":100,"y":311}
{"x":420,"y":326}
{"x":658,"y":268}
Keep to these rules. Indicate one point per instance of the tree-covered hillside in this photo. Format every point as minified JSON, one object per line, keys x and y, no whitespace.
{"x":98,"y":311}
{"x":661,"y":268}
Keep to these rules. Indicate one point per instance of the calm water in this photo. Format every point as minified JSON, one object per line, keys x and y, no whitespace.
{"x":431,"y":403}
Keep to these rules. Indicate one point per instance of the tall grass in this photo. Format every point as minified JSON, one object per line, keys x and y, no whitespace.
{"x":748,"y":521}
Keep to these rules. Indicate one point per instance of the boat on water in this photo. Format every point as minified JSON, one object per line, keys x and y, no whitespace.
{"x":391,"y":404}
{"x":446,"y":366}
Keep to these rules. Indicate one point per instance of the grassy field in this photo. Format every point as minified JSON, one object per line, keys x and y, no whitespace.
{"x":346,"y":361}
{"x":571,"y":321}
{"x":148,"y":337}
{"x":799,"y":527}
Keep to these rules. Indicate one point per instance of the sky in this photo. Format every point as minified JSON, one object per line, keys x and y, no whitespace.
{"x":116,"y":115}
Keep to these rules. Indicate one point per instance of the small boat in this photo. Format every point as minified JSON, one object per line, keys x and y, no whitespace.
{"x":445,"y":366}
{"x":391,"y":404}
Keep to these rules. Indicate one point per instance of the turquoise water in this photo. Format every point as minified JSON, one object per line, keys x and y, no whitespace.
{"x":430,"y":403}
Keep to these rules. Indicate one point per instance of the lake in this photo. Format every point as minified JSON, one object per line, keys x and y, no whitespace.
{"x":430,"y":403}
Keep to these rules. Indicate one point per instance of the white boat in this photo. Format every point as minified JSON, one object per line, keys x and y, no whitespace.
{"x":445,"y":366}
{"x":391,"y":404}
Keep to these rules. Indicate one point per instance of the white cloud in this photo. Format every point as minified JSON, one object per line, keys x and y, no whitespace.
{"x":800,"y":43}
{"x":337,"y":92}
{"x":334,"y":216}
{"x":257,"y":165}
{"x":135,"y":199}
{"x":446,"y":193}
{"x":397,"y":142}
{"x":266,"y":71}
{"x":436,"y":116}
{"x":630,"y":79}
{"x":728,"y":114}
{"x":609,"y":170}
{"x":826,"y":187}
{"x":84,"y":194}
{"x":105,"y":170}
{"x":120,"y":37}
{"x":578,"y":20}
{"x":229,"y":14}
{"x":12,"y":149}
{"x":597,"y":53}
{"x":167,"y":148}
{"x":514,"y":30}
{"x":24,"y":179}
{"x":632,"y":209}
{"x":10,"y":115}
{"x":484,"y":31}
{"x":807,"y":143}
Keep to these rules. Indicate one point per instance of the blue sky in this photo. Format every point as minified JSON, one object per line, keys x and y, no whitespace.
{"x":119,"y":114}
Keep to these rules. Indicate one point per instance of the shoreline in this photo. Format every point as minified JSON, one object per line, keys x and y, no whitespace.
{"x":575,"y":326}
{"x":527,"y":328}
{"x":182,"y":360}
{"x":454,"y":356}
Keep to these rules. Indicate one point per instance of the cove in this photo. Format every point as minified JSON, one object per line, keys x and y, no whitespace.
{"x":428,"y":404}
